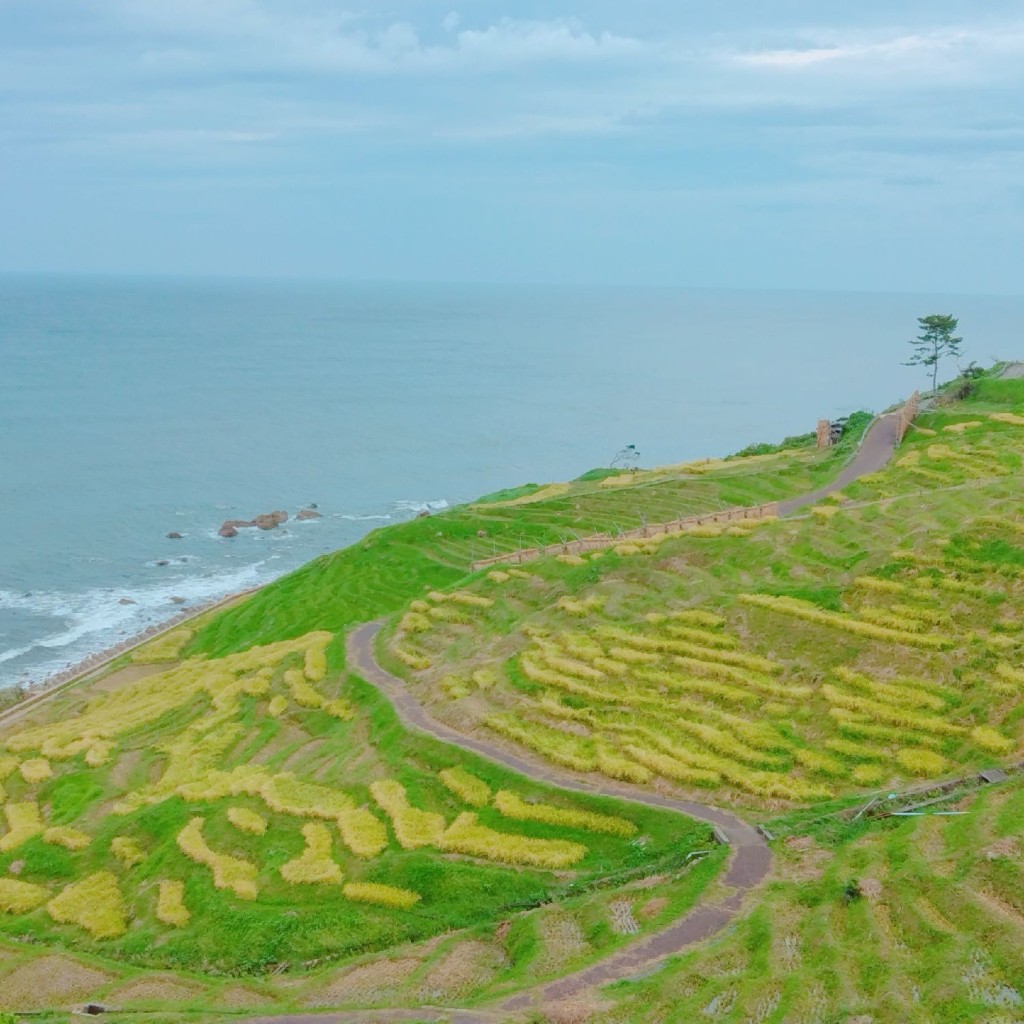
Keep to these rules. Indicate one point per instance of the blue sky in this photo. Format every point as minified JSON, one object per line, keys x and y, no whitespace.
{"x":787,"y":144}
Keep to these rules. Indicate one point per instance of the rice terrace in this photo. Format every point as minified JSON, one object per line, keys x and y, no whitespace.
{"x":750,"y":768}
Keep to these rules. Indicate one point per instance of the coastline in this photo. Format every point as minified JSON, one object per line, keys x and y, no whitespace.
{"x":36,"y":693}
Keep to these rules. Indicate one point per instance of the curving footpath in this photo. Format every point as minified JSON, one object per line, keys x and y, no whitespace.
{"x":749,"y":863}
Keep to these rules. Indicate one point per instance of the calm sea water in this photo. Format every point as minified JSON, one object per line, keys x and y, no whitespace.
{"x":130,"y":408}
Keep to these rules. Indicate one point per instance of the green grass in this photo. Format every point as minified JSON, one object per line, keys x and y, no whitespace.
{"x":292,"y":924}
{"x":395,"y":564}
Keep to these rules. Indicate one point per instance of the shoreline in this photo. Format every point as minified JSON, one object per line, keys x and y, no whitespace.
{"x":35,"y":693}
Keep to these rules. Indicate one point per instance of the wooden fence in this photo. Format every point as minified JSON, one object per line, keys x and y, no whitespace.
{"x":598,"y":541}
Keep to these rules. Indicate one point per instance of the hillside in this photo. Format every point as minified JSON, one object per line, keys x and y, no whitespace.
{"x":504,"y":797}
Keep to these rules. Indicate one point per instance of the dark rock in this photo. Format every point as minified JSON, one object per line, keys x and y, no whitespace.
{"x":94,"y":1009}
{"x":176,"y":600}
{"x":308,"y":513}
{"x":227,"y":530}
{"x":163,"y":561}
{"x":312,"y":504}
{"x":423,"y":513}
{"x":481,"y":533}
{"x":237,"y":524}
{"x":174,"y":535}
{"x":127,"y":600}
{"x":270,"y":520}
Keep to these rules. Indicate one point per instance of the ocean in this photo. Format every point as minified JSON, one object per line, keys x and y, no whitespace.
{"x":131,"y":408}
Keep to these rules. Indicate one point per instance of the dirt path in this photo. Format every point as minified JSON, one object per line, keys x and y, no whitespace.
{"x":875,"y":451}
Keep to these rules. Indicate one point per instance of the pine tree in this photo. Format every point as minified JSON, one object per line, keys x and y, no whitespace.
{"x":935,"y":341}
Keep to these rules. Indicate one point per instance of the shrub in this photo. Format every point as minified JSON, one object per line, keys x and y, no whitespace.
{"x":512,"y":806}
{"x":170,"y":905}
{"x":36,"y":770}
{"x":316,"y":863}
{"x":95,"y":904}
{"x":465,"y":835}
{"x":23,"y":822}
{"x":163,"y":648}
{"x":497,"y":576}
{"x":18,"y":897}
{"x":277,"y":705}
{"x":69,"y":838}
{"x":383,"y":895}
{"x":413,"y":828}
{"x":228,"y":872}
{"x":127,"y":851}
{"x":362,"y":832}
{"x":247,"y":821}
{"x":467,"y":787}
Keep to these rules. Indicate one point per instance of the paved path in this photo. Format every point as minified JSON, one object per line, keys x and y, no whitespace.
{"x":875,"y":451}
{"x":750,"y":859}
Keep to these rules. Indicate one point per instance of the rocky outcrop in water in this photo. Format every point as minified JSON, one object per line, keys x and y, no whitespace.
{"x":307,"y":513}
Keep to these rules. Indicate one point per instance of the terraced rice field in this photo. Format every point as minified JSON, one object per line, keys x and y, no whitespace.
{"x":260,"y":812}
{"x":913,"y":919}
{"x":865,"y":645}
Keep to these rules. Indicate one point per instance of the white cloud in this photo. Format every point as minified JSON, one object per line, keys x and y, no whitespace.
{"x":965,"y":47}
{"x":451,"y":21}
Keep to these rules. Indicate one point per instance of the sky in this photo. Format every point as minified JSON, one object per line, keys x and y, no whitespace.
{"x":818,"y":145}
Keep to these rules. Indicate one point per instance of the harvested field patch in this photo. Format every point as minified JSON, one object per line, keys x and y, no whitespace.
{"x":165,"y":989}
{"x":367,"y":983}
{"x":51,"y":982}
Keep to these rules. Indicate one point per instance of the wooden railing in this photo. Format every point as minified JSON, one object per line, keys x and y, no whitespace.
{"x":598,"y":541}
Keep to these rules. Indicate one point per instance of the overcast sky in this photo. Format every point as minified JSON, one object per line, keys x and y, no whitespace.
{"x":790,"y":144}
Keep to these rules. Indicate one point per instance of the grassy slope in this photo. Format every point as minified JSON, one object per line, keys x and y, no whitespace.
{"x":940,"y":528}
{"x":392,"y":565}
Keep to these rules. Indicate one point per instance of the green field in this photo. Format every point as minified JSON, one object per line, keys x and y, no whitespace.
{"x":230,"y":819}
